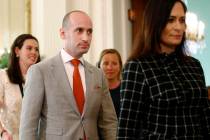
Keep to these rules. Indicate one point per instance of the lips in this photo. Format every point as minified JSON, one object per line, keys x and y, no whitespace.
{"x":109,"y":73}
{"x":84,"y":46}
{"x":33,"y":58}
{"x":177,"y":36}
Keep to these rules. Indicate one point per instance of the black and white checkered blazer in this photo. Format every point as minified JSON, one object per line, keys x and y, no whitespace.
{"x":163,"y":97}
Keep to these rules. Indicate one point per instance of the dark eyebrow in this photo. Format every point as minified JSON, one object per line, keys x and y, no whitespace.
{"x":176,"y":16}
{"x":31,"y":46}
{"x":79,"y":28}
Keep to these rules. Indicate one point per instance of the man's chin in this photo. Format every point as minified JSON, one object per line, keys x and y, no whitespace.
{"x":85,"y":50}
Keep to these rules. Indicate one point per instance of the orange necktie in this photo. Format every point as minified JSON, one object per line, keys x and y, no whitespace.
{"x":77,"y":86}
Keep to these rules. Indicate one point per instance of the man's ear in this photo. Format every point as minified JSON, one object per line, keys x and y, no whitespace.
{"x":62,"y":33}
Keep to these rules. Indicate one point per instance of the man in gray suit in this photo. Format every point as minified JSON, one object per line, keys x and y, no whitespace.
{"x":48,"y":95}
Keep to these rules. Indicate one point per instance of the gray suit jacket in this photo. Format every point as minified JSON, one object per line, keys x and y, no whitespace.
{"x":48,"y":99}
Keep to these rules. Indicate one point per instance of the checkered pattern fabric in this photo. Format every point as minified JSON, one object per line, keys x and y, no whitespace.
{"x":163,"y":97}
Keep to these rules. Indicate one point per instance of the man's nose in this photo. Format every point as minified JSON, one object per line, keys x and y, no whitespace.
{"x":85,"y":36}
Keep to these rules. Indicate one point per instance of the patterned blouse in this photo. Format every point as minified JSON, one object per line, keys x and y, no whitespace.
{"x":10,"y":105}
{"x":163,"y":97}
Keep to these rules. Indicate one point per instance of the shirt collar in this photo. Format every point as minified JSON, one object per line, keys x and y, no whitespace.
{"x":67,"y":57}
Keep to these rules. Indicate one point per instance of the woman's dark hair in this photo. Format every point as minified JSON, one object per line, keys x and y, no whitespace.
{"x":13,"y":71}
{"x":155,"y":17}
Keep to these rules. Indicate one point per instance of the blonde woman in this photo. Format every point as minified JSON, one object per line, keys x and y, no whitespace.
{"x":111,"y":63}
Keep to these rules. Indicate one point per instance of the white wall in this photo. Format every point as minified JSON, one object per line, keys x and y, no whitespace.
{"x":12,"y":21}
{"x":122,"y":34}
{"x":46,"y":20}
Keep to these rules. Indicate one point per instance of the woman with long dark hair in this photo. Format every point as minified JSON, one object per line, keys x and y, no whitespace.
{"x":163,"y":90}
{"x":24,"y":53}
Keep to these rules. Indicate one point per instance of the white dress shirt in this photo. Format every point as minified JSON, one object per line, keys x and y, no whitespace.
{"x":70,"y":68}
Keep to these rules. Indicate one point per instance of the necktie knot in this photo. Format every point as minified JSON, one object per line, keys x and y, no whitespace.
{"x":75,"y":62}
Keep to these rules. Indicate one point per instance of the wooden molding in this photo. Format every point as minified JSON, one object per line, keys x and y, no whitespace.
{"x":131,"y":15}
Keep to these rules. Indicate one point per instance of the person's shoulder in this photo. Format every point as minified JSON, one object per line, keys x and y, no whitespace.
{"x":93,"y":69}
{"x":134,"y":62}
{"x":43,"y":65}
{"x":142,"y":59}
{"x":3,"y":72}
{"x":3,"y":75}
{"x":192,"y":62}
{"x":191,"y":59}
{"x":47,"y":61}
{"x":90,"y":66}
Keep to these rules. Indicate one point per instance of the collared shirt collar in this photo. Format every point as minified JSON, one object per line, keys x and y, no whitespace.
{"x":67,"y":57}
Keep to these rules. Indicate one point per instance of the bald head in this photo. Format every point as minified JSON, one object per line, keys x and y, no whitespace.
{"x":69,"y":17}
{"x":76,"y":32}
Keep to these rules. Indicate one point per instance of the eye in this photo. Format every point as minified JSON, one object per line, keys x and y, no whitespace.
{"x":105,"y":63}
{"x":29,"y":48}
{"x":89,"y":32}
{"x":182,"y":20}
{"x":114,"y":63}
{"x":170,"y":20}
{"x":79,"y":30}
{"x":37,"y":49}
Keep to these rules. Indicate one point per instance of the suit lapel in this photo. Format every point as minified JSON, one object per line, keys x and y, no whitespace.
{"x":88,"y":73}
{"x":59,"y":72}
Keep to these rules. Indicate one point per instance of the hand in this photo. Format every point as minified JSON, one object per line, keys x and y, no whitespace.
{"x":6,"y":136}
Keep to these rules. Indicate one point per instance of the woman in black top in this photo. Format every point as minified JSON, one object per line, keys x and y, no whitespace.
{"x":111,"y":64}
{"x":163,"y":90}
